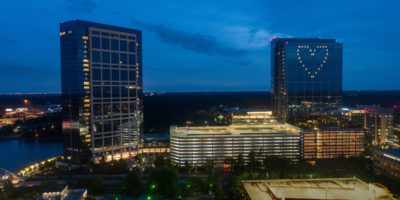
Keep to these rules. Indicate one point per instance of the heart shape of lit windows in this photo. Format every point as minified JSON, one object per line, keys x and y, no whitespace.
{"x":320,"y":51}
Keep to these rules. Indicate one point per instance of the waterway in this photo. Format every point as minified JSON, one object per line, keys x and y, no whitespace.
{"x":16,"y":154}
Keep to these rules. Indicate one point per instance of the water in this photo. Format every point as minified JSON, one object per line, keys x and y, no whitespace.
{"x":17,"y":154}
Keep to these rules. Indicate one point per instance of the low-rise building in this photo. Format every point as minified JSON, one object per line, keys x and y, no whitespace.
{"x":387,"y":162}
{"x":332,"y":143}
{"x":378,"y":121}
{"x":255,"y":131}
{"x":330,"y":188}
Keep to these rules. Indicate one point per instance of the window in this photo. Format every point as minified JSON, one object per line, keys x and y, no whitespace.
{"x":95,"y":42}
{"x":98,"y":127}
{"x":132,"y":75}
{"x":124,"y":91}
{"x":116,"y":109}
{"x":114,"y":58}
{"x":115,"y":75}
{"x":105,"y":43}
{"x":124,"y":108}
{"x":97,"y":92}
{"x":106,"y":57}
{"x":97,"y":109}
{"x":123,"y":58}
{"x":123,"y":45}
{"x":115,"y":91}
{"x":96,"y":74}
{"x":95,"y":56}
{"x":116,"y":125}
{"x":106,"y":91}
{"x":132,"y":92}
{"x":114,"y":45}
{"x":124,"y":75}
{"x":107,"y":126}
{"x":131,"y":46}
{"x":106,"y":74}
{"x":132,"y":59}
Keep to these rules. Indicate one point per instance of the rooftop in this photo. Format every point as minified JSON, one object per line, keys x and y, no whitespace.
{"x":394,"y":152}
{"x":331,"y":188}
{"x":253,"y":123}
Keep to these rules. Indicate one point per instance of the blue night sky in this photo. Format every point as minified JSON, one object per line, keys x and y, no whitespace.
{"x":207,"y":45}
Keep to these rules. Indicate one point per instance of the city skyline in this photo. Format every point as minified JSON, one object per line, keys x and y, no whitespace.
{"x":227,"y":44}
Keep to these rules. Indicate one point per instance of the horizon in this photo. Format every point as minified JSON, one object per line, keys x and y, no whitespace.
{"x":222,"y":91}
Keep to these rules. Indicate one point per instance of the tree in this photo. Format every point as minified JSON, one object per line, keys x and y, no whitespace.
{"x":94,"y":185}
{"x":239,"y":165}
{"x":209,"y":167}
{"x":8,"y":190}
{"x":253,"y":161}
{"x":236,"y":185}
{"x":188,"y":167}
{"x":165,"y":180}
{"x":139,"y":158}
{"x":161,"y":160}
{"x":217,"y":190}
{"x":132,"y":184}
{"x":230,"y":162}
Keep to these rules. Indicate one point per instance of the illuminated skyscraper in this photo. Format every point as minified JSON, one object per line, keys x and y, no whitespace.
{"x":101,"y":72}
{"x":306,"y":76}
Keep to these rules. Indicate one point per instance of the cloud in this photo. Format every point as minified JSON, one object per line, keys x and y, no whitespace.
{"x":85,"y":6}
{"x":173,"y":71}
{"x":200,"y":43}
{"x":249,"y":38}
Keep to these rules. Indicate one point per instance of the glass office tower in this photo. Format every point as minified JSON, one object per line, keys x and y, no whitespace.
{"x":101,"y":72}
{"x":306,"y":76}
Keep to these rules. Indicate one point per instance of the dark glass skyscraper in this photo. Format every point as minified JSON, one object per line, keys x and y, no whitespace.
{"x":306,"y":76}
{"x":101,"y":72}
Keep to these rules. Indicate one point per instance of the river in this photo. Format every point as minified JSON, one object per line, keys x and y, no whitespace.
{"x":16,"y":154}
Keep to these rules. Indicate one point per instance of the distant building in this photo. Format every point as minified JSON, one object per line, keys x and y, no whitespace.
{"x":396,"y":123}
{"x":378,"y":121}
{"x":387,"y":162}
{"x":356,"y":115}
{"x":254,"y":131}
{"x":101,"y":73}
{"x":306,"y":76}
{"x":329,"y":188}
{"x":332,"y":143}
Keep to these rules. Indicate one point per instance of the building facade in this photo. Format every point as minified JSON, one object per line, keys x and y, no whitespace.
{"x":101,"y":72}
{"x":387,"y":162}
{"x":256,"y":131}
{"x":378,"y":121}
{"x":396,"y":123}
{"x":306,"y":76}
{"x":332,"y":143}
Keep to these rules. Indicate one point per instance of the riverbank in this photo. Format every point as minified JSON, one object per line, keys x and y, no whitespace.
{"x":20,"y":137}
{"x":9,"y":137}
{"x":18,"y":153}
